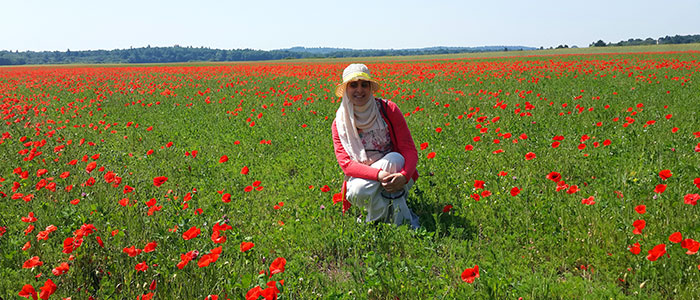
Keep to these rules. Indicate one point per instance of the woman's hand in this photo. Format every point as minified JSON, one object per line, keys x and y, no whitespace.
{"x":392,"y":182}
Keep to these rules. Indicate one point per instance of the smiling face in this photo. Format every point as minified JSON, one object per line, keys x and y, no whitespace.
{"x":359,"y":92}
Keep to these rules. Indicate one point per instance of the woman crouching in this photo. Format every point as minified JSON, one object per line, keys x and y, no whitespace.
{"x":374,"y":149}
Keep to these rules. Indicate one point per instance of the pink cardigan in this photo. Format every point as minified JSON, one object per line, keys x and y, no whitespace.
{"x":401,"y":142}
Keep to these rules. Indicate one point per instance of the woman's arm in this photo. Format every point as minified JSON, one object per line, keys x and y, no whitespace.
{"x":404,"y":140}
{"x":351,"y":168}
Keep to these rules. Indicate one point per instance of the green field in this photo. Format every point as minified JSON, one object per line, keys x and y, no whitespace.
{"x":619,"y":119}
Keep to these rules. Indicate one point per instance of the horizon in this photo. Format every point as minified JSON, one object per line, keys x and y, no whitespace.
{"x":81,"y":25}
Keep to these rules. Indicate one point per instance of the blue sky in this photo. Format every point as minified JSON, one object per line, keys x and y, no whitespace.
{"x":257,"y":24}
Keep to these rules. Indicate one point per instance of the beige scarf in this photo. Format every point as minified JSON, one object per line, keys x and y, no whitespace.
{"x":349,"y":118}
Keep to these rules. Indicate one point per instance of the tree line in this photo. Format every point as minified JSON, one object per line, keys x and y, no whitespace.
{"x":193,"y":54}
{"x":677,"y":39}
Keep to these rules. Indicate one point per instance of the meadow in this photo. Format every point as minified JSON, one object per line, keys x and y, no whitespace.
{"x":567,"y":175}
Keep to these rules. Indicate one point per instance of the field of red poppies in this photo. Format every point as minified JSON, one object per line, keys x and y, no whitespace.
{"x":541,"y":177}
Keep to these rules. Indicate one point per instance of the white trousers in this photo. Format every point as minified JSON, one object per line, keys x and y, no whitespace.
{"x":368,"y":194}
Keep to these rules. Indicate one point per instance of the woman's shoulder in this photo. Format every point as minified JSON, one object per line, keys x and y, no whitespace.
{"x":390,"y":106}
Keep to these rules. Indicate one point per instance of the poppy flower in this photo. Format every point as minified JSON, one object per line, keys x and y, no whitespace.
{"x":588,"y":201}
{"x":47,"y":290}
{"x":61,"y":269}
{"x":691,"y":199}
{"x":554,"y":176}
{"x":469,"y":275}
{"x":277,"y":266}
{"x":468,"y":147}
{"x":191,"y":233}
{"x":325,"y":189}
{"x":635,"y":249}
{"x":128,"y":189}
{"x":226,"y":198}
{"x":431,"y":155}
{"x":337,"y":197}
{"x":691,"y":245}
{"x":32,"y":262}
{"x":447,"y":208}
{"x":641,"y":209}
{"x":131,"y":251}
{"x":245,"y":246}
{"x":660,"y":188}
{"x":665,"y":174}
{"x":479,"y":184}
{"x":514,"y":191}
{"x":675,"y":237}
{"x":530,"y":156}
{"x":245,"y":170}
{"x":638,"y":226}
{"x":150,"y":247}
{"x":158,"y":181}
{"x":423,"y":146}
{"x":223,"y":159}
{"x":142,"y":266}
{"x":656,"y":252}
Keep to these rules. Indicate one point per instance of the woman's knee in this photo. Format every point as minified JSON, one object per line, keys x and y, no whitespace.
{"x":391,"y":162}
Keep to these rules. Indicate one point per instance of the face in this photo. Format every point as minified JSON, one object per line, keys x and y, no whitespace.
{"x":359,"y":92}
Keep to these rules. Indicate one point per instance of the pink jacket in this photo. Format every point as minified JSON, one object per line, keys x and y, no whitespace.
{"x":401,"y":142}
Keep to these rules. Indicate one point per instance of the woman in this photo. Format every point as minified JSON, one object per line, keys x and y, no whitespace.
{"x":374,"y":149}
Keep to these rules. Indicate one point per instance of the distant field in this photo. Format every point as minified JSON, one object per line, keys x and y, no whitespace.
{"x":551,"y":175}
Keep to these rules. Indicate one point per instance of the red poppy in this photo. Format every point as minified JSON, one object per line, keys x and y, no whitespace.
{"x":431,"y":155}
{"x":131,"y":251}
{"x":223,"y":159}
{"x":691,"y":245}
{"x":469,"y":275}
{"x":447,"y":208}
{"x":150,"y":247}
{"x":128,"y":189}
{"x":468,"y":147}
{"x":423,"y":146}
{"x":248,"y":189}
{"x":554,"y":176}
{"x":514,"y":191}
{"x":91,"y":166}
{"x":28,"y":291}
{"x":245,"y":246}
{"x":226,"y":198}
{"x":638,"y":226}
{"x":158,"y":181}
{"x":485,"y":193}
{"x":476,"y":197}
{"x":191,"y":233}
{"x":277,"y":266}
{"x":656,"y":252}
{"x":660,"y":188}
{"x":530,"y":156}
{"x":32,"y":262}
{"x":142,"y":266}
{"x":675,"y":237}
{"x":641,"y":209}
{"x":665,"y":174}
{"x":245,"y":170}
{"x":62,"y":268}
{"x":325,"y":189}
{"x":479,"y":184}
{"x":47,"y":290}
{"x":588,"y":201}
{"x":635,"y":249}
{"x":691,"y":199}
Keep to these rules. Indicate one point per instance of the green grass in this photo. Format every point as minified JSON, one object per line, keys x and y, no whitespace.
{"x":538,"y":244}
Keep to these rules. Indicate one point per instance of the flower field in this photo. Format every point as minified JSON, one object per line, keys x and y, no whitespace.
{"x":541,"y":177}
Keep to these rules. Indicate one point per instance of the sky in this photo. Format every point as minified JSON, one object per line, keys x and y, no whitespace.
{"x":48,"y":25}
